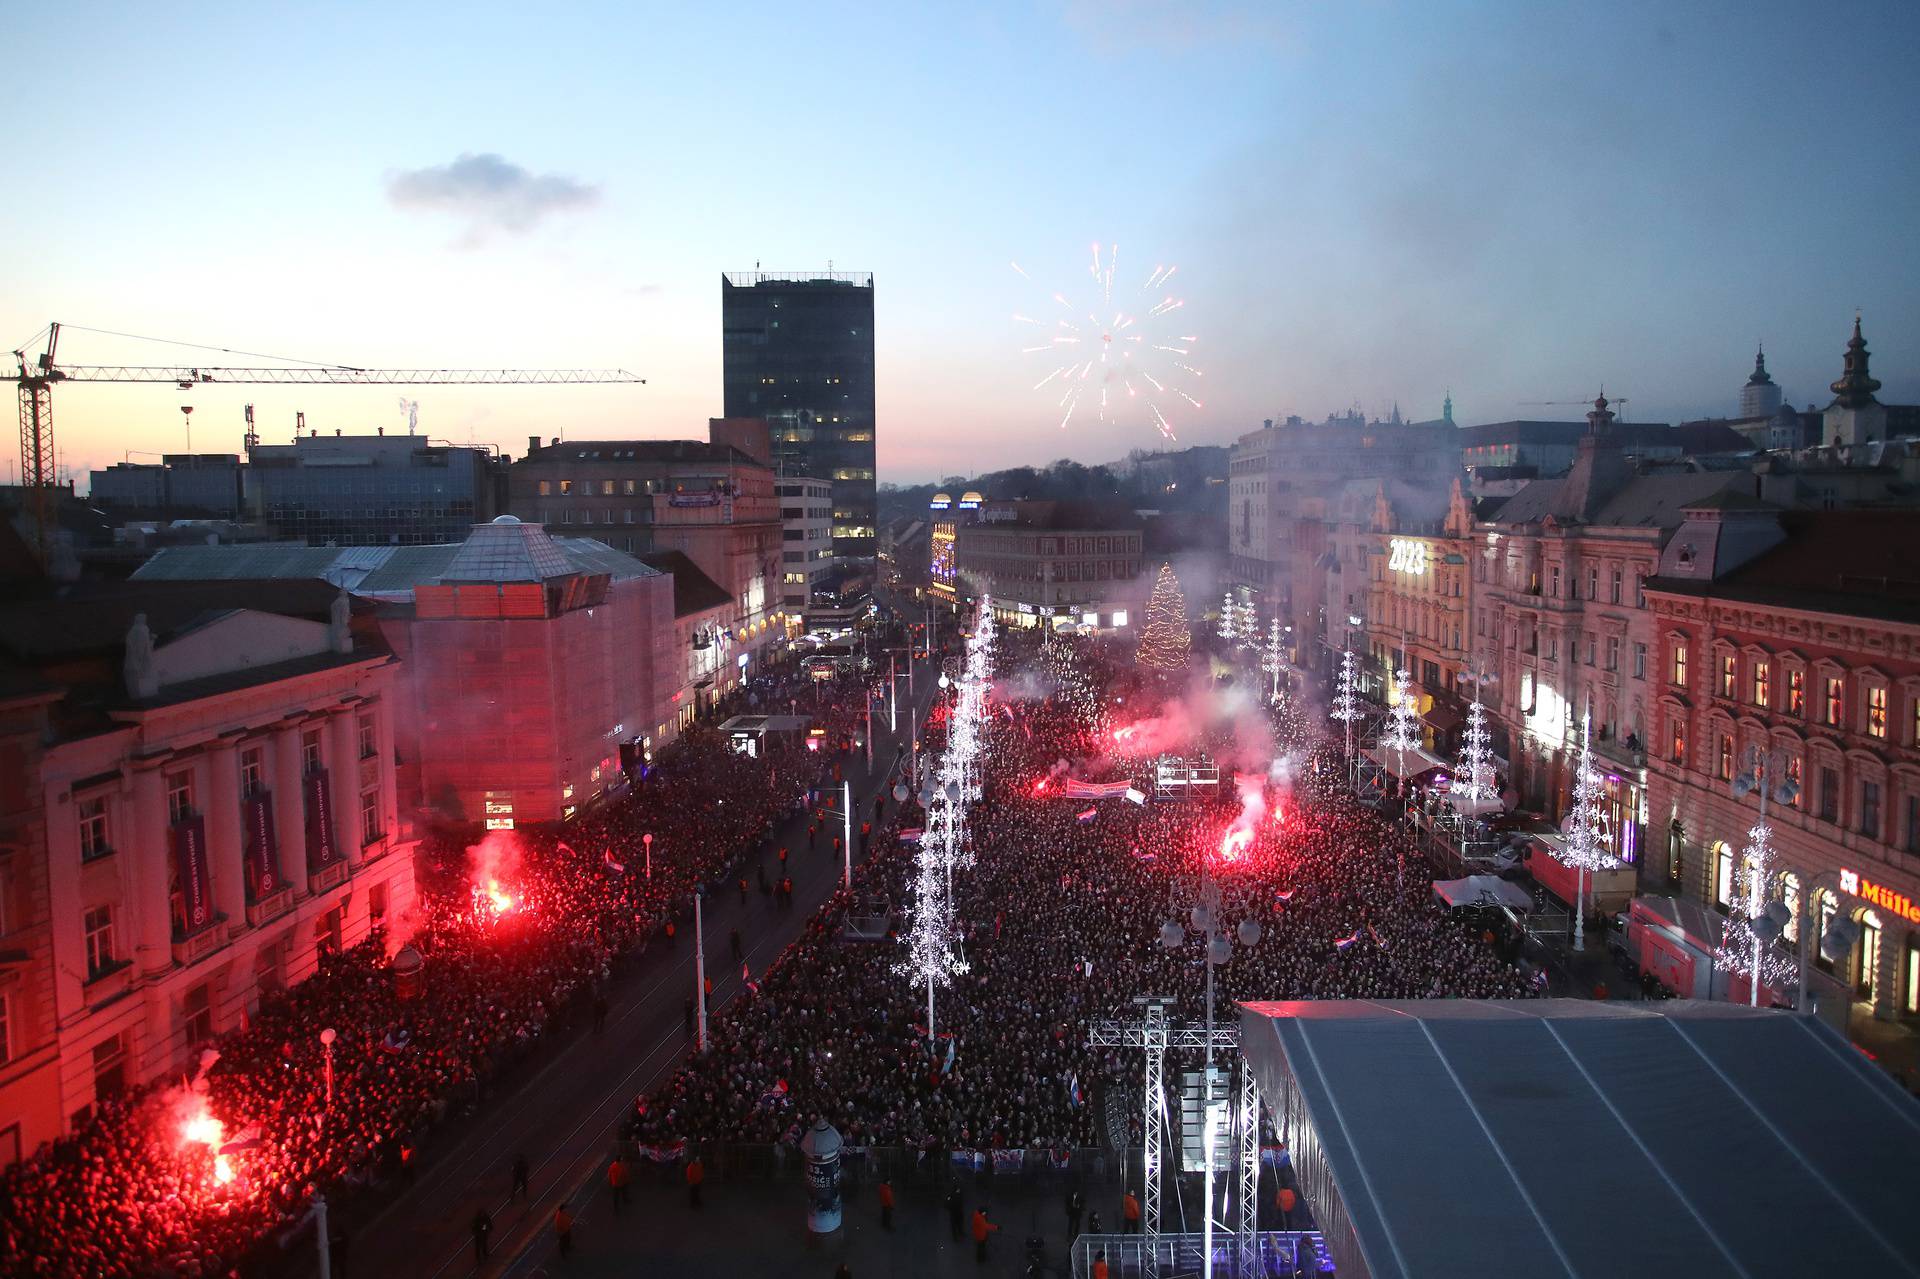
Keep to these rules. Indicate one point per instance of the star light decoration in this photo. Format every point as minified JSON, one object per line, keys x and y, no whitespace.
{"x":933,"y":955}
{"x":1273,"y":658}
{"x":1746,"y":938}
{"x":1476,"y":758}
{"x":1402,"y":733}
{"x":1586,"y":828}
{"x":1229,"y":619}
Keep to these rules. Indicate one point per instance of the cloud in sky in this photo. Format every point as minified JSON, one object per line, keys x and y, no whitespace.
{"x":489,"y":193}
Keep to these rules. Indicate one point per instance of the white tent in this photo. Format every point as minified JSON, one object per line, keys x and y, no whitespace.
{"x":1474,"y":807}
{"x":1481,"y":890}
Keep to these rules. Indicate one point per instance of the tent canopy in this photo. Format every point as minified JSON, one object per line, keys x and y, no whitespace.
{"x":1482,"y":890}
{"x":1560,"y":1137}
{"x":1417,"y":762}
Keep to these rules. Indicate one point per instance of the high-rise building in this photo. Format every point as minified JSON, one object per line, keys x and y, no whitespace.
{"x":370,"y":490}
{"x":798,"y":351}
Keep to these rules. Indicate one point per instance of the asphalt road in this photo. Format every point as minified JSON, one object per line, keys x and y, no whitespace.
{"x":563,"y":1116}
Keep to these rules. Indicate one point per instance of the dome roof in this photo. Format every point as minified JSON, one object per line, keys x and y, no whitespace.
{"x":943,"y":497}
{"x":506,"y":519}
{"x":971,"y":496}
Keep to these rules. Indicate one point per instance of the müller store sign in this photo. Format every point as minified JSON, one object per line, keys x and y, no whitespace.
{"x":1879,"y":895}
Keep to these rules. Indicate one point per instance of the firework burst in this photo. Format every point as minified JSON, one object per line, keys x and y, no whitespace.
{"x":1117,"y":362}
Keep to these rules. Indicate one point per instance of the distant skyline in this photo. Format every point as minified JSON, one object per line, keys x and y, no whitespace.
{"x":1369,"y":203}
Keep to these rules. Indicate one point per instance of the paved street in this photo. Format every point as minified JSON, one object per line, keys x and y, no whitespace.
{"x":562,"y":1117}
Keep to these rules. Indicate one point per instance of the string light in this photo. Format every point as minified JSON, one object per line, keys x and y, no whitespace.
{"x":1166,"y":642}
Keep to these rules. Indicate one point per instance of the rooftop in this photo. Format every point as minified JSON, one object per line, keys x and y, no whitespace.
{"x":1859,"y":563}
{"x":757,"y":278}
{"x":693,"y":591}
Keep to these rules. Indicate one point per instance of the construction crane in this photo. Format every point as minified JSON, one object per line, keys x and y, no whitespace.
{"x":1585,"y":404}
{"x":36,"y":382}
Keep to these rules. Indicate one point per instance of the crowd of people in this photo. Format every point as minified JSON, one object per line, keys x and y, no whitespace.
{"x":1061,"y":917}
{"x":131,"y":1194}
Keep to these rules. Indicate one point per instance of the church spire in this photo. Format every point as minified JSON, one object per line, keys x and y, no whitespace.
{"x":1856,"y":386}
{"x":1600,"y":419}
{"x":1760,"y":377}
{"x":1446,"y":409}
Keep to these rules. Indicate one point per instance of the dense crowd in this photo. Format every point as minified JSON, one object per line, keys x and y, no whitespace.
{"x":1061,"y":915}
{"x":128,"y":1195}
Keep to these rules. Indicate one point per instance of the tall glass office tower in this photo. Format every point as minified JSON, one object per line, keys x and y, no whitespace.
{"x":798,"y":351}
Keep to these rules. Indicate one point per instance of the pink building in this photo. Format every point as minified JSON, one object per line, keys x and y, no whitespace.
{"x":198,"y":798}
{"x":1789,"y":654}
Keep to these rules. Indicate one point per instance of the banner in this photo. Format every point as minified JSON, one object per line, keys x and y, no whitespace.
{"x":258,"y":852}
{"x":1007,"y":1162}
{"x":189,"y":840}
{"x":321,"y":851}
{"x":1077,"y":789}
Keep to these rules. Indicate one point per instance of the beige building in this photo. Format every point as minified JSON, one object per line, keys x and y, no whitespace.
{"x":1055,"y":563}
{"x":207,"y":803}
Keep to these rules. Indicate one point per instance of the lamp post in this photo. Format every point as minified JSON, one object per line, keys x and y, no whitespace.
{"x":700,"y":966}
{"x":327,"y":1037}
{"x":1765,"y":921}
{"x":1204,"y":921}
{"x":646,"y":842}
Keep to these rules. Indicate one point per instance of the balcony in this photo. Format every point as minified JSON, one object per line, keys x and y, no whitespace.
{"x":195,"y":947}
{"x":374,"y":848}
{"x":332,"y":877}
{"x":270,"y":907}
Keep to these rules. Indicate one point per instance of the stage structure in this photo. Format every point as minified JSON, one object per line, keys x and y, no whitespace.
{"x":1178,"y":777}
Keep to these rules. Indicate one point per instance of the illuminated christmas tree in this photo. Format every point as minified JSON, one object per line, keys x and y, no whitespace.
{"x":1167,"y":639}
{"x":1748,"y":935}
{"x":1403,"y":716}
{"x":1229,"y":618}
{"x":1586,"y":828}
{"x":1476,"y":778}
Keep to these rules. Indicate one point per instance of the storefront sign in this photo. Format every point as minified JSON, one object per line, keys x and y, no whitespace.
{"x":189,"y":839}
{"x":1404,"y":555}
{"x":1879,"y":895}
{"x":321,"y":851}
{"x":259,"y":852}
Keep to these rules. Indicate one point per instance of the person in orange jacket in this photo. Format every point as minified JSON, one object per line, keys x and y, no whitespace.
{"x":886,"y":1205}
{"x":982,"y":1228}
{"x":563,"y":1230}
{"x":617,"y":1179}
{"x":1130,"y":1214}
{"x":696,"y":1173}
{"x":1100,"y":1266}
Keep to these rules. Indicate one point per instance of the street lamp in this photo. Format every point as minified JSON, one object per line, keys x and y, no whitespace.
{"x":1204,"y":920}
{"x":646,"y":842}
{"x":327,"y":1037}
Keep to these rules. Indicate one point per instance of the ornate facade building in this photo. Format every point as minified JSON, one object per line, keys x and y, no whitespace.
{"x":204,"y":802}
{"x":1561,"y":625}
{"x":1789,"y":660}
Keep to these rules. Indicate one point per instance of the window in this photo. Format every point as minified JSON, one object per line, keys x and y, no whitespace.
{"x":1826,"y":906}
{"x":546,"y":488}
{"x":1729,"y":668}
{"x":1796,"y":692}
{"x":1722,"y":874}
{"x":1763,"y":684}
{"x":1676,"y":843}
{"x":377,"y":904}
{"x":196,"y":1014}
{"x":179,"y":797}
{"x":1616,"y":586}
{"x":97,"y":923}
{"x":1790,"y":894}
{"x":606,"y":488}
{"x":312,"y":760}
{"x":96,"y":839}
{"x":369,"y":815}
{"x":1829,"y":795}
{"x":1639,"y":661}
{"x":1677,"y":747}
{"x":1639,"y":590}
{"x":1877,"y":712}
{"x":253,"y":773}
{"x":1913,"y":824}
{"x":369,"y":737}
{"x":1680,"y":662}
{"x":1613,"y":652}
{"x":1726,"y":758}
{"x":1593,"y":583}
{"x":109,"y":1067}
{"x":1553,"y":578}
{"x":1870,"y":809}
{"x":1795,"y":791}
{"x":628,"y":487}
{"x":6,"y":1027}
{"x":1836,"y":701}
{"x":566,"y":487}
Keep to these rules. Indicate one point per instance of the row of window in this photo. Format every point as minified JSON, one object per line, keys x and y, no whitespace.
{"x":1789,"y":693}
{"x":1612,"y":584}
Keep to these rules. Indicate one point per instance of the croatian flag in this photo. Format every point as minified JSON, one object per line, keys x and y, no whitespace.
{"x":246,"y":1139}
{"x":1344,"y":942}
{"x":1088,"y":816}
{"x":947,"y":1065}
{"x":1146,"y":857}
{"x":911,"y":835}
{"x":606,"y":859}
{"x":1078,"y":789}
{"x":776,"y":1095}
{"x":396,"y":1040}
{"x":1284,"y":896}
{"x":1073,"y":1091}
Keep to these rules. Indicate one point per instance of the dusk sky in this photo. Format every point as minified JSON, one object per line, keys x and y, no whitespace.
{"x":1368,"y":203}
